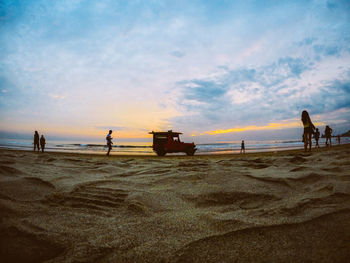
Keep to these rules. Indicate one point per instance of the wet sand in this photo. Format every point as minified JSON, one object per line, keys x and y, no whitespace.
{"x":265,"y":207}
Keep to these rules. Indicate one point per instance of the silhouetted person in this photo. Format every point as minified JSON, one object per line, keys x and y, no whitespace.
{"x":328,"y":134}
{"x":242,"y":147}
{"x":308,"y":129}
{"x":109,"y":141}
{"x":42,"y":143}
{"x":317,"y":137}
{"x":338,"y":137}
{"x":36,"y":141}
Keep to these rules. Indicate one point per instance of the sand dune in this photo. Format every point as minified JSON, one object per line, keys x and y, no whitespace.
{"x":309,"y":241}
{"x":266,"y":207}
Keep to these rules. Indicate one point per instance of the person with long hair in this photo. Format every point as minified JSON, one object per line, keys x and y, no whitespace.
{"x":308,"y":129}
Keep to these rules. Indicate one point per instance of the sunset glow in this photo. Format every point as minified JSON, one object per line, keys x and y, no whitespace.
{"x":270,"y":126}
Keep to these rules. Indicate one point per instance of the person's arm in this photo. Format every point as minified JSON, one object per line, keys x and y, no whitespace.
{"x":313,"y":126}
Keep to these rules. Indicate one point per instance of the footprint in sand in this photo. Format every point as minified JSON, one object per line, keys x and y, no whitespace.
{"x":9,"y":171}
{"x":244,"y":200}
{"x":92,"y":198}
{"x":32,"y":189}
{"x":13,"y":240}
{"x":298,"y":159}
{"x":298,"y":169}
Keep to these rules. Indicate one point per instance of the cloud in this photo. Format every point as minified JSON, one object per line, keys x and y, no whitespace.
{"x":56,"y":96}
{"x":327,"y":50}
{"x":296,"y":66}
{"x":258,"y":96}
{"x":307,"y":41}
{"x":111,"y":127}
{"x":270,"y":126}
{"x":177,"y":54}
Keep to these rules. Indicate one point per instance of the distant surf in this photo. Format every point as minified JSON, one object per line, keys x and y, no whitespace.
{"x":145,"y":148}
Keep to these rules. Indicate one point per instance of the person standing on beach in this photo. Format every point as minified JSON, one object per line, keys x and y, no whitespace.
{"x":308,"y":129}
{"x":242,"y":147}
{"x":328,"y":134}
{"x":338,"y":137}
{"x":36,"y":140}
{"x":109,"y":141}
{"x":317,"y":137}
{"x":42,"y":143}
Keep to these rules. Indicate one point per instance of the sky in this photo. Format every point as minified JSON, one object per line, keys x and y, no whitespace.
{"x":214,"y":70}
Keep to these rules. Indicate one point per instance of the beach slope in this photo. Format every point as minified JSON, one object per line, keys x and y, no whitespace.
{"x":264,"y":207}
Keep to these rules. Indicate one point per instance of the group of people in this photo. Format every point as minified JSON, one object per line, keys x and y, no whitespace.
{"x":42,"y":142}
{"x":310,"y":129}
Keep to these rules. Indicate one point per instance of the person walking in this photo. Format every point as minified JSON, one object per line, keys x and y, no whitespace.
{"x":242,"y":147}
{"x":308,"y":129}
{"x":109,"y":141}
{"x":317,"y":137}
{"x":328,"y":133}
{"x":42,"y":143}
{"x":36,"y":141}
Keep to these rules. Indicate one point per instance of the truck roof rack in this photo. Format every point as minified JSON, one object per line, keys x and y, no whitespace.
{"x":165,"y":133}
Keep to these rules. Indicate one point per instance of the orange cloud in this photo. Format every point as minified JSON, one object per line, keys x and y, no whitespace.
{"x":270,"y":126}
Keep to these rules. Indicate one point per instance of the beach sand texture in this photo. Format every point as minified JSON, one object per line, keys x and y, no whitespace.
{"x":264,"y":207}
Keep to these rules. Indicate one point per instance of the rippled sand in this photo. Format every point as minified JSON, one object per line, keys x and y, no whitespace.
{"x":266,"y":207}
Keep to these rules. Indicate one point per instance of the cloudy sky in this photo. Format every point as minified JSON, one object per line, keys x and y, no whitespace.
{"x":211,"y":69}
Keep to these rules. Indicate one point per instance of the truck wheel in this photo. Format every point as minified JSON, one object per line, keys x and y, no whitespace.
{"x":161,"y":153}
{"x":190,"y":152}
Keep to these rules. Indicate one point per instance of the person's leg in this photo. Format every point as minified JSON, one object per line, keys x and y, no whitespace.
{"x":305,"y":141}
{"x":310,"y":141}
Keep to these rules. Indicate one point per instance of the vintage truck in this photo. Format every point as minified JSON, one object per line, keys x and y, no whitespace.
{"x":169,"y":142}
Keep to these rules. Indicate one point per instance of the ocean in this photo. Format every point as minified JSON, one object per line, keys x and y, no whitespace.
{"x":145,"y":148}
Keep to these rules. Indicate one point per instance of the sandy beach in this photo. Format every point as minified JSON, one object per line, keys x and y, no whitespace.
{"x":265,"y":207}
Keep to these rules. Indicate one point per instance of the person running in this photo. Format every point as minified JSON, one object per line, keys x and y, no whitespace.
{"x":42,"y":143}
{"x":242,"y":147}
{"x":308,"y":129}
{"x":109,"y":141}
{"x":328,"y":134}
{"x":36,"y":141}
{"x":317,"y":137}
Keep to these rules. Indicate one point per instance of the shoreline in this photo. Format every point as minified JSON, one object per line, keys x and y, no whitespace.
{"x":202,"y":155}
